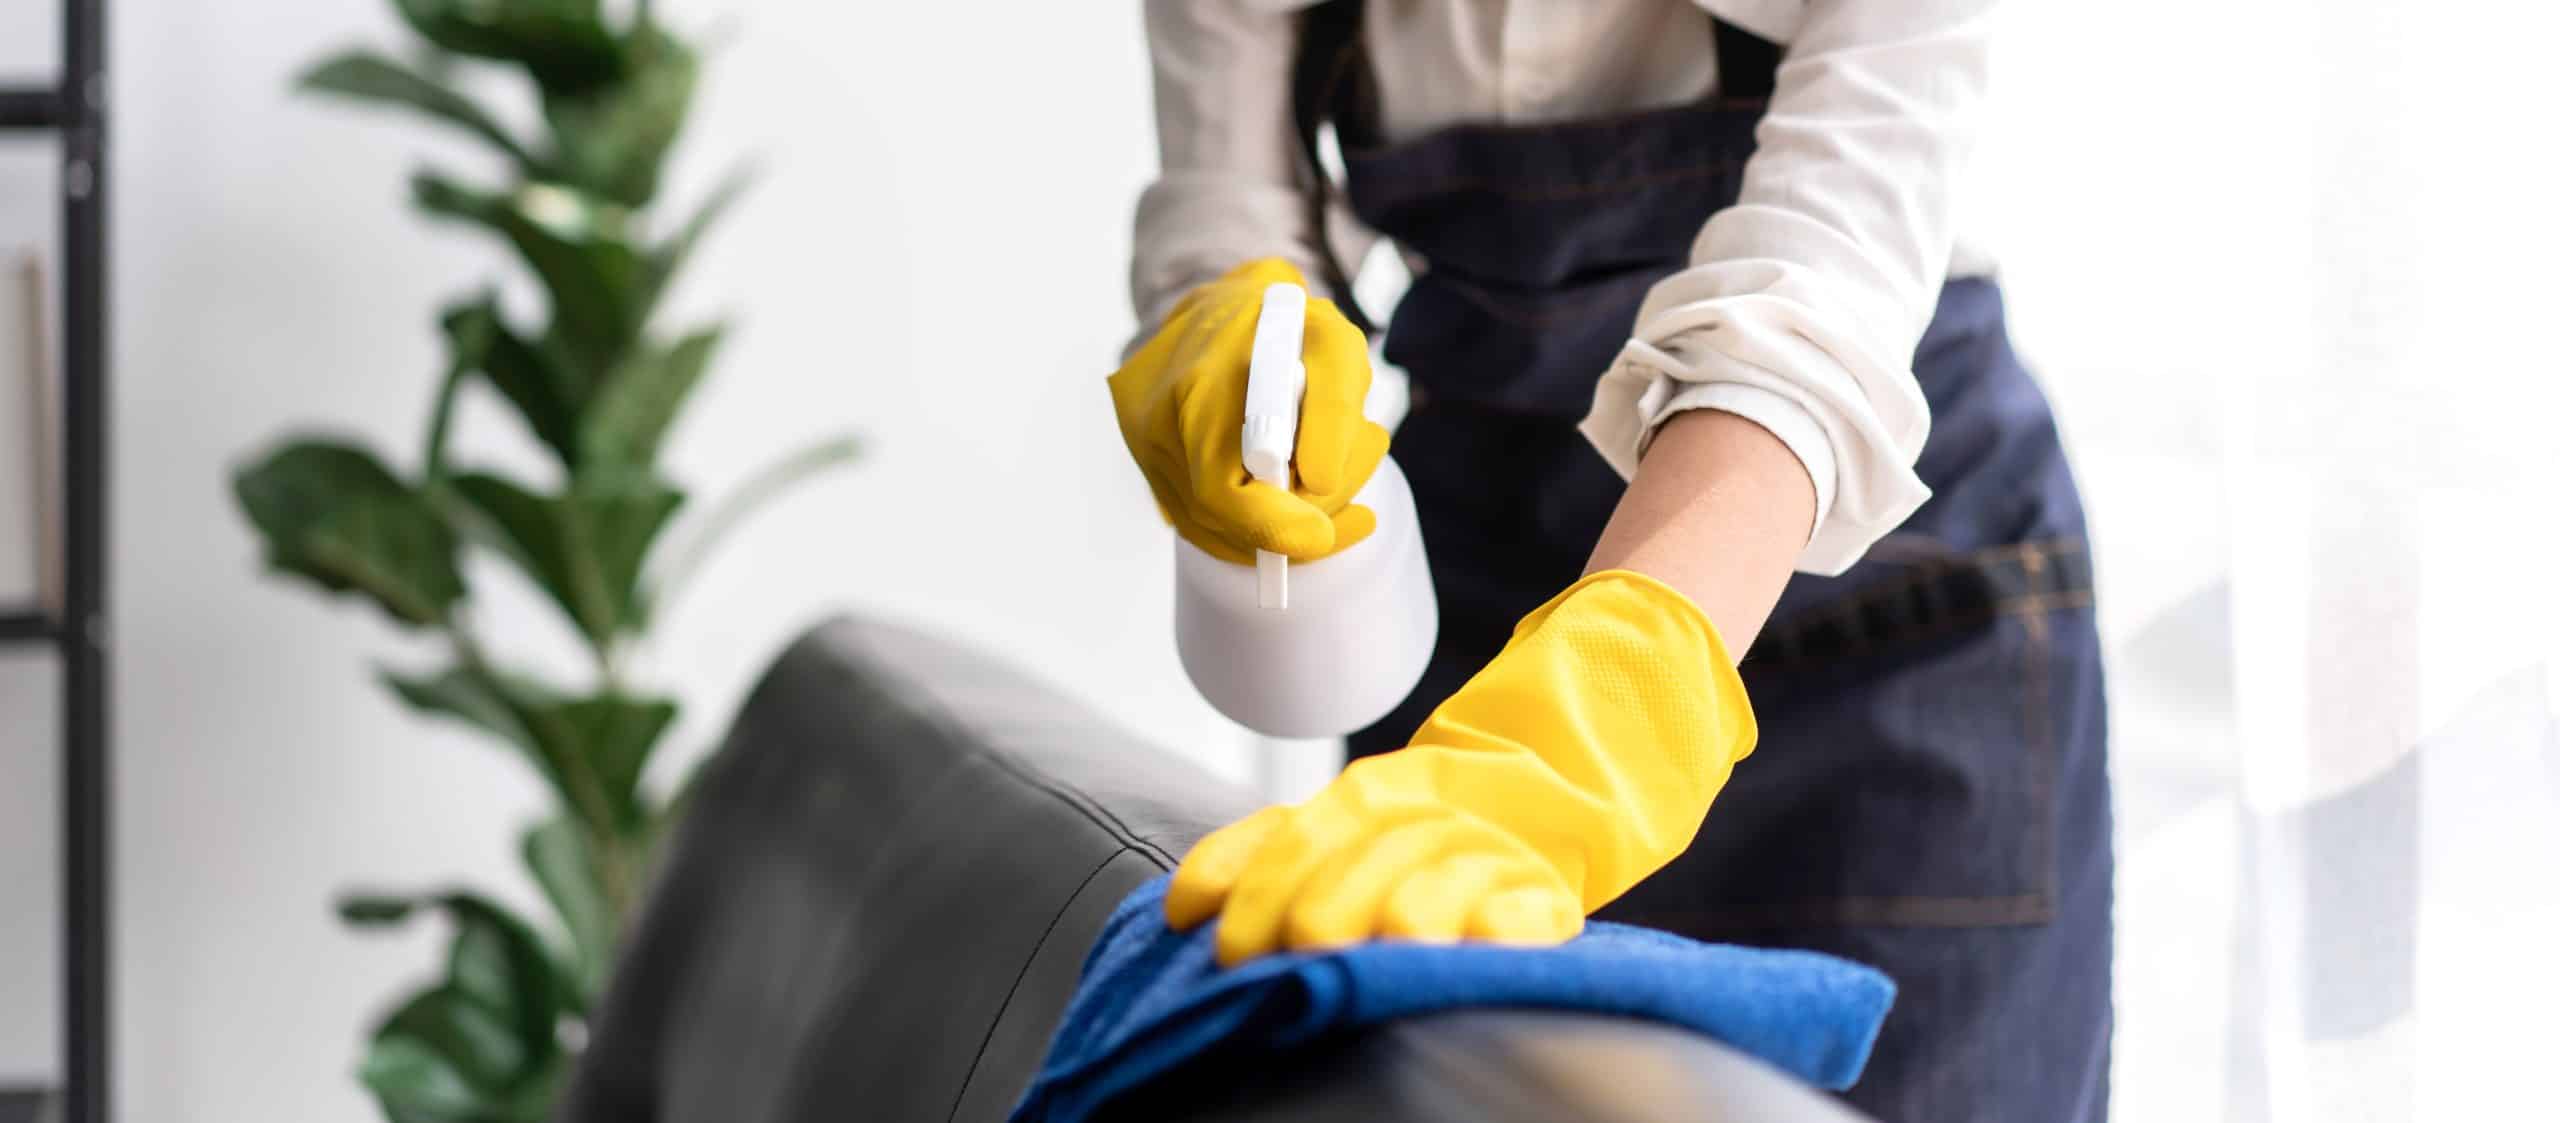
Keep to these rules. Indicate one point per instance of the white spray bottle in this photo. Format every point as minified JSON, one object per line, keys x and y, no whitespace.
{"x":1311,"y":649}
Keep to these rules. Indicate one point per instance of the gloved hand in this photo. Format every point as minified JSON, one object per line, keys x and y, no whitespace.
{"x":1576,"y":763}
{"x":1181,"y":404}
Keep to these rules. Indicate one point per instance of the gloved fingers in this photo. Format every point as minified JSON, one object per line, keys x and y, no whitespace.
{"x":1529,"y":916}
{"x":1208,"y":873}
{"x":1247,"y":513}
{"x":1259,"y":516}
{"x":1257,"y":905}
{"x":1350,"y":527}
{"x":1353,"y":525}
{"x":1188,"y":521}
{"x":1331,"y":427}
{"x":1341,"y":904}
{"x":1368,"y":446}
{"x":1434,"y":906}
{"x":1212,"y":544}
{"x":1325,"y":830}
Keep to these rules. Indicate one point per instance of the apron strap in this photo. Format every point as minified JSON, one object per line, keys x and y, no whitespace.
{"x":1746,"y":64}
{"x":1326,"y":71}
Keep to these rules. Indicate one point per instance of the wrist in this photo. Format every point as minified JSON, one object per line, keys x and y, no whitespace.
{"x":1718,"y":511}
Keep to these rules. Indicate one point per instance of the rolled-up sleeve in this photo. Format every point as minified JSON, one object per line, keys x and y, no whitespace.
{"x":1230,"y":189}
{"x":1804,"y":301}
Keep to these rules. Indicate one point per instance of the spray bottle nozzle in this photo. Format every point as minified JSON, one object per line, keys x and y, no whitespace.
{"x":1273,"y":386}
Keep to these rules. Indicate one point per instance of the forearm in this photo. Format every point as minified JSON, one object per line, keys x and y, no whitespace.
{"x":1228,"y":189}
{"x":1719,"y":510}
{"x":1815,"y":285}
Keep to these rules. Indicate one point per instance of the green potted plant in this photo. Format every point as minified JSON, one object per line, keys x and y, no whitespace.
{"x":599,"y":387}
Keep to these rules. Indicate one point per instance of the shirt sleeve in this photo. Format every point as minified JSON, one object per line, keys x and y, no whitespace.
{"x":1804,"y":301}
{"x":1229,"y":190}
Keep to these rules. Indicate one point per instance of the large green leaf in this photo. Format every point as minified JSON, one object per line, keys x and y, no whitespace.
{"x":547,"y":390}
{"x":592,"y":750}
{"x":565,"y":866}
{"x":496,"y":702}
{"x":413,"y":1073}
{"x":602,"y":286}
{"x":331,"y":513}
{"x":482,"y":1044}
{"x":583,"y":546}
{"x":564,"y":43}
{"x":619,"y":731}
{"x":612,"y":138}
{"x":369,"y":76}
{"x":638,"y":404}
{"x":375,"y":910}
{"x":497,"y":961}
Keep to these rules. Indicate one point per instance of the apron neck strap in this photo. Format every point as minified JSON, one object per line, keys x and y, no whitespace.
{"x":1746,"y":64}
{"x":1327,"y":72}
{"x":1329,"y":76}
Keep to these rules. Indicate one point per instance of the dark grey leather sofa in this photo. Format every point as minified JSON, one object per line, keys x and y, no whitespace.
{"x":880,"y":898}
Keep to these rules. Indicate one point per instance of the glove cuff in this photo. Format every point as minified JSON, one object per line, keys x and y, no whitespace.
{"x":1624,"y":594}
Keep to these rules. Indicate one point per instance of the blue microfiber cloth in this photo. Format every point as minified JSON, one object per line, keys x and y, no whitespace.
{"x":1154,"y":1001}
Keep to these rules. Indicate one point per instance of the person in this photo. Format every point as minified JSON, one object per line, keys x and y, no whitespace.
{"x":1689,"y":316}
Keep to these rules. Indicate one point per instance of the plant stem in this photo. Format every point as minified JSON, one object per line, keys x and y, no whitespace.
{"x":577,"y":778}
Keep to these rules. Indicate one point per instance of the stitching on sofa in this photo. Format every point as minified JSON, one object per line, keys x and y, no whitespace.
{"x":997,"y":1022}
{"x":954,"y":729}
{"x":1100,"y":815}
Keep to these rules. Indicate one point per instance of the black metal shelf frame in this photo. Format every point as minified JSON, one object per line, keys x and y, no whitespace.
{"x":75,"y":110}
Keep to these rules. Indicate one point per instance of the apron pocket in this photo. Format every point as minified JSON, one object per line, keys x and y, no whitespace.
{"x":1911,"y":729}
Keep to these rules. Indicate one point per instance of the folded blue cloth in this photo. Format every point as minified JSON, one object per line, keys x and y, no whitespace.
{"x":1154,"y":1001}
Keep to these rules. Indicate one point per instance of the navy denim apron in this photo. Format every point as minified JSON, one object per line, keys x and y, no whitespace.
{"x":1930,"y":793}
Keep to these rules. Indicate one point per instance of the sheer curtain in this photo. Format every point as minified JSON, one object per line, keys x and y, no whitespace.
{"x":2291,"y":272}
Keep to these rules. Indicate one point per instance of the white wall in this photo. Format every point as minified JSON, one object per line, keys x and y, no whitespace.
{"x":935,"y":258}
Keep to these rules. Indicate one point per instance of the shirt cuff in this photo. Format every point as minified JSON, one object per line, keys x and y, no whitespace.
{"x":1861,"y":466}
{"x":1775,"y":412}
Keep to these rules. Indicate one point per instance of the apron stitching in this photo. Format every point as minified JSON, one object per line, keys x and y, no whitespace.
{"x":1928,"y":589}
{"x":2036,"y":712}
{"x":2042,"y":604}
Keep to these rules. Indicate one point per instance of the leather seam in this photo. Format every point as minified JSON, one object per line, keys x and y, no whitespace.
{"x":993,"y":1024}
{"x":1092,"y":811}
{"x":957,"y":730}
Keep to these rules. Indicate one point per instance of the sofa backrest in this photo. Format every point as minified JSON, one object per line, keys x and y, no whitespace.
{"x":881,"y":896}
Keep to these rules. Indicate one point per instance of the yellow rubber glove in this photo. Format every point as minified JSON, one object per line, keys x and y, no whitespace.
{"x":1576,"y":763}
{"x":1181,"y":406}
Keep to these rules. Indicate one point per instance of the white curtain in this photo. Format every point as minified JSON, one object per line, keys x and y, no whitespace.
{"x":2291,"y":272}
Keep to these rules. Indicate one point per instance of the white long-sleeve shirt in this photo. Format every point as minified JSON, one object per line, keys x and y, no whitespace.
{"x":1802,"y":303}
